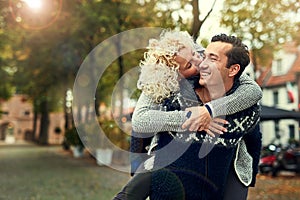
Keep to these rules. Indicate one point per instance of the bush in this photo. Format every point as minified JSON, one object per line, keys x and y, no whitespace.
{"x":72,"y":138}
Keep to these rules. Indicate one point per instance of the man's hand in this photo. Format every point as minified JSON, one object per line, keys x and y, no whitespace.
{"x":199,"y":120}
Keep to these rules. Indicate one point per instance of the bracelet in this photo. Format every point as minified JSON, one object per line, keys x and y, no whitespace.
{"x":208,"y":109}
{"x":188,"y":115}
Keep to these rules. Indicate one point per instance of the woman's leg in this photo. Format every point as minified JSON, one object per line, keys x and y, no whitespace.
{"x":138,"y":188}
{"x":234,"y":189}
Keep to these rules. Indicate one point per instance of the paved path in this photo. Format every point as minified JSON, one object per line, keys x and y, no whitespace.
{"x":30,"y":172}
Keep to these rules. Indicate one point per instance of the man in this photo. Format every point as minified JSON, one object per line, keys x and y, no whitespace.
{"x":225,"y":59}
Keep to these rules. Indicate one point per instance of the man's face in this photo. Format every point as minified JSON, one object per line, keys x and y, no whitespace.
{"x":188,"y":60}
{"x":213,"y":71}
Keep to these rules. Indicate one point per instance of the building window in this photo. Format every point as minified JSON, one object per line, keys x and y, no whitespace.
{"x":279,"y":65}
{"x":292,"y":131}
{"x":275,"y":97}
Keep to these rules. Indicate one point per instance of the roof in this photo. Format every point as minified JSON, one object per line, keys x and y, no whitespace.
{"x":267,"y":80}
{"x":272,"y":113}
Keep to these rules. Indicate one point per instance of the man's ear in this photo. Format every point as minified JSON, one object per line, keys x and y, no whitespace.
{"x":234,"y":69}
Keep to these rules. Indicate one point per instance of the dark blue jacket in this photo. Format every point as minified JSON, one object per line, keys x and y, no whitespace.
{"x":180,"y":173}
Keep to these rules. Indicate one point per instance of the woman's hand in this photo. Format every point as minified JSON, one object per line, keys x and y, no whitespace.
{"x":199,"y":119}
{"x":216,"y":127}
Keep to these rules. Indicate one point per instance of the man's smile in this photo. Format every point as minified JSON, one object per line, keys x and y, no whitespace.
{"x":204,"y":74}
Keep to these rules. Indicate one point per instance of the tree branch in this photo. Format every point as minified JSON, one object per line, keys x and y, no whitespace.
{"x":211,"y":9}
{"x":197,"y":23}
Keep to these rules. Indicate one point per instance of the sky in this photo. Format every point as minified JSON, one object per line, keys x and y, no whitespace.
{"x":211,"y":26}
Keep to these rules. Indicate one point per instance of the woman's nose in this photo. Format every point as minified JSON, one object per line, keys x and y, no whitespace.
{"x":196,"y":63}
{"x":197,"y":59}
{"x":196,"y":67}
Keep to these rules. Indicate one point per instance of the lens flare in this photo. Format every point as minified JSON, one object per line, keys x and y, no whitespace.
{"x":34,"y":4}
{"x":35,"y":14}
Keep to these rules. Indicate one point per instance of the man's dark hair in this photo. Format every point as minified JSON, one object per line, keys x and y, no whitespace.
{"x":238,"y":54}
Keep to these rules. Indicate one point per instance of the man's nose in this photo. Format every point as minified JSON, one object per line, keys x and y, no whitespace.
{"x":204,"y":64}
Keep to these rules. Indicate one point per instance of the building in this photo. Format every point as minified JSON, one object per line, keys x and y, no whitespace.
{"x":16,"y":122}
{"x":280,"y":84}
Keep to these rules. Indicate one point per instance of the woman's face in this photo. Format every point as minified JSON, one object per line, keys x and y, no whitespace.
{"x":189,"y":61}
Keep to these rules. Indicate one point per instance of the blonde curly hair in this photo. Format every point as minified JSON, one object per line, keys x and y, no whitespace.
{"x":159,"y":70}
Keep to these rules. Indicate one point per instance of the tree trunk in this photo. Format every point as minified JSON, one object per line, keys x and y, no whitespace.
{"x":121,"y":71}
{"x":44,"y":126}
{"x":97,"y":104}
{"x":120,"y":62}
{"x":35,"y":118}
{"x":196,"y":21}
{"x":254,"y":62}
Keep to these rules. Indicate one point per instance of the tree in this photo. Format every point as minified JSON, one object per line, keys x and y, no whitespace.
{"x":185,"y":14}
{"x":44,"y":55}
{"x":197,"y":22}
{"x":104,"y":19}
{"x":6,"y":88}
{"x":265,"y":25}
{"x":44,"y":59}
{"x":6,"y":57}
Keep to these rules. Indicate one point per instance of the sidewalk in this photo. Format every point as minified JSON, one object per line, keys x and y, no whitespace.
{"x":30,"y":172}
{"x":284,"y":187}
{"x":16,"y":143}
